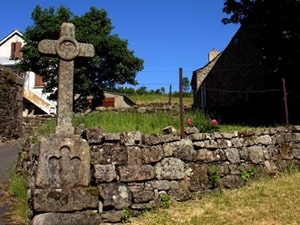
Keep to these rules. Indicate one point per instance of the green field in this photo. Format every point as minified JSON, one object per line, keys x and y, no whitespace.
{"x":163,"y":98}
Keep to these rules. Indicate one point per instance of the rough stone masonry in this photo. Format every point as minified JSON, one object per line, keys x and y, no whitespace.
{"x":63,"y":172}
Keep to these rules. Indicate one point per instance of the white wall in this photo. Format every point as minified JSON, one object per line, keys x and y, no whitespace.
{"x":5,"y":48}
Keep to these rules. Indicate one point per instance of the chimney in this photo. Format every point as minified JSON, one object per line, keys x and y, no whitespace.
{"x":212,"y":54}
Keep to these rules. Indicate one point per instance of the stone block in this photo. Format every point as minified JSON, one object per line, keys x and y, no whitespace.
{"x":112,"y":216}
{"x":112,"y":137}
{"x":185,"y":151}
{"x":232,"y":155}
{"x":140,"y":194}
{"x":114,"y":196}
{"x":64,"y":162}
{"x":65,"y":200}
{"x":132,"y":138}
{"x":110,"y":154}
{"x":133,"y":173}
{"x":135,"y":155}
{"x":264,"y":139}
{"x":152,"y":154}
{"x":256,"y":154}
{"x":155,"y":139}
{"x":95,"y":135}
{"x":105,"y":173}
{"x":83,"y":218}
{"x":160,"y":184}
{"x":170,"y":169}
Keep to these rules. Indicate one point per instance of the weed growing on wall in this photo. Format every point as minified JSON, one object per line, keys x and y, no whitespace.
{"x":214,"y":177}
{"x":126,"y":216}
{"x":249,"y":173}
{"x":165,"y":201}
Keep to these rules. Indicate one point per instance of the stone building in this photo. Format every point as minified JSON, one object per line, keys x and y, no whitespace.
{"x":234,"y":87}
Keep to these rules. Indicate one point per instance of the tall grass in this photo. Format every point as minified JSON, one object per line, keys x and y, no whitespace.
{"x":128,"y":121}
{"x":146,"y":123}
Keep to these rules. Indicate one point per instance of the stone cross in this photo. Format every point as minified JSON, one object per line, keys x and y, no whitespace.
{"x":67,"y":49}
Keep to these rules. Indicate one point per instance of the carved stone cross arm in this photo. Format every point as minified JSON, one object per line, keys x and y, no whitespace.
{"x":53,"y":47}
{"x":67,"y":49}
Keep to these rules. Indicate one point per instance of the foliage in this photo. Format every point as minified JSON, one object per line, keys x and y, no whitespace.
{"x":126,"y":216}
{"x":202,"y":122}
{"x":113,"y":63}
{"x":185,"y":84}
{"x":213,"y":173}
{"x":165,"y":201}
{"x":249,"y":173}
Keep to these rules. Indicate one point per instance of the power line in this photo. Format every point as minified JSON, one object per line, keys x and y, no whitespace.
{"x":244,"y":92}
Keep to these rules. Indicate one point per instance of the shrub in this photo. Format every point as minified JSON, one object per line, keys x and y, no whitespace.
{"x":202,"y":122}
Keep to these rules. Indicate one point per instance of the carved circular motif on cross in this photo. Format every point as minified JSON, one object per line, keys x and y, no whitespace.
{"x":67,"y":48}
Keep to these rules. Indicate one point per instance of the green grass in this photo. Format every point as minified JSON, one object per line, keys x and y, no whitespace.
{"x":126,"y":121}
{"x":146,"y":123}
{"x":18,"y":189}
{"x":266,"y":201}
{"x":155,"y":98}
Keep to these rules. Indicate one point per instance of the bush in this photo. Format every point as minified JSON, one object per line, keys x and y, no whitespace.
{"x":202,"y":122}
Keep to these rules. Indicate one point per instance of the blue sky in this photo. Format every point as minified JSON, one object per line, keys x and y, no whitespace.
{"x":167,"y":34}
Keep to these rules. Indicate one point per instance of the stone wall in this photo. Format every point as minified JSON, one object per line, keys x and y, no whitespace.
{"x":11,"y":104}
{"x":133,"y":171}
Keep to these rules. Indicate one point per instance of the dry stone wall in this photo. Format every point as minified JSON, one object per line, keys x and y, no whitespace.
{"x":133,"y":171}
{"x":11,"y":104}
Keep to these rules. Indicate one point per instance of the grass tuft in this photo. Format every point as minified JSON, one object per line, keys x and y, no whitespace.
{"x":18,"y":189}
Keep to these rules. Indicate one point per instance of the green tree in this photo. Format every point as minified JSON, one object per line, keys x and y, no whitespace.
{"x":113,"y":64}
{"x":185,"y":84}
{"x":142,"y":90}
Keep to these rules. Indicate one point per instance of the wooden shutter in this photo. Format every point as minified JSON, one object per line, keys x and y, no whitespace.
{"x":15,"y":52}
{"x":18,"y":50}
{"x":12,"y":50}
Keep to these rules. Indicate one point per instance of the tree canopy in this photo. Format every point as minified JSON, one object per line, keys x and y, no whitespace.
{"x":113,"y":63}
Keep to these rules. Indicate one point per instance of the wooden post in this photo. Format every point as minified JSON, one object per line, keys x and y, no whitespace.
{"x":285,"y":103}
{"x":170,"y":94}
{"x":181,"y":104}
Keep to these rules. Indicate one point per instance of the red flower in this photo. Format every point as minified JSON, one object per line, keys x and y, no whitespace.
{"x":214,"y":122}
{"x":189,"y":121}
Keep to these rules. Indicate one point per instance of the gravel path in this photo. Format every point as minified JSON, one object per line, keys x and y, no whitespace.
{"x":8,"y":157}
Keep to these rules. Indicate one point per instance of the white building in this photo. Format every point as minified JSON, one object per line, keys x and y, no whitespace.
{"x":35,"y":101}
{"x":10,"y":47}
